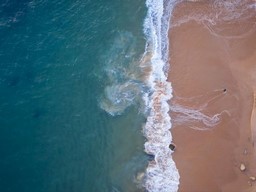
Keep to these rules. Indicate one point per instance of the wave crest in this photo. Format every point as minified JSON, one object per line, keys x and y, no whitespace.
{"x":161,"y":174}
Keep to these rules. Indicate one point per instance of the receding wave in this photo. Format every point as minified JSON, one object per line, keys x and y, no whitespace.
{"x":161,"y":174}
{"x":219,"y":12}
{"x":193,"y":110}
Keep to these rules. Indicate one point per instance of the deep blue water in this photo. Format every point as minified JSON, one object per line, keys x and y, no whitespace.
{"x":54,"y":135}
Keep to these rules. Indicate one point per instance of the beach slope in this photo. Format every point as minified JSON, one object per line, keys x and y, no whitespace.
{"x":213,"y":75}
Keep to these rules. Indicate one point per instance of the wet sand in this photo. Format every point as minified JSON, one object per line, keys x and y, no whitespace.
{"x":213,"y":72}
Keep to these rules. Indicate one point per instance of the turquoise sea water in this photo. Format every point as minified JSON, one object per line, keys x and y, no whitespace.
{"x":83,"y":93}
{"x":56,"y":68}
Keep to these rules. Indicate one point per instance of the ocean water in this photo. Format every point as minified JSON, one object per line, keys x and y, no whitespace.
{"x":80,"y":84}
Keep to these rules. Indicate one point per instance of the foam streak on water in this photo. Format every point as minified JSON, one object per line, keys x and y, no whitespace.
{"x":161,"y":174}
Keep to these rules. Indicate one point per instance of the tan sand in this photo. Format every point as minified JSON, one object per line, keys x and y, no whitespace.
{"x":208,"y":55}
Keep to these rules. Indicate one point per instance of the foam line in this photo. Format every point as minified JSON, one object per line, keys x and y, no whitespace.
{"x":161,"y":174}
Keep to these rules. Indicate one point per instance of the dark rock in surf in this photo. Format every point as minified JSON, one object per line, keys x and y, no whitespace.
{"x":172,"y":146}
{"x":151,"y":157}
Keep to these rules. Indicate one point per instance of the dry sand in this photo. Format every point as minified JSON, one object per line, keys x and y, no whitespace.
{"x":210,"y":51}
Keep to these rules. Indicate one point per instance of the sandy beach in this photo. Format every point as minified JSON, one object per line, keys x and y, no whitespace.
{"x":213,"y":75}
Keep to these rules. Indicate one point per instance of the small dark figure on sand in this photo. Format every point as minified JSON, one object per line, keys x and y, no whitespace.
{"x":224,"y":90}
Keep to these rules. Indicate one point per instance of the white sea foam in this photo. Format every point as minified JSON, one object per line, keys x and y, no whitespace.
{"x":192,"y":111}
{"x":161,"y":174}
{"x":219,"y":12}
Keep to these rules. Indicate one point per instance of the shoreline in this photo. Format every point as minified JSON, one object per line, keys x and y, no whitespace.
{"x":156,"y":129}
{"x":212,"y":74}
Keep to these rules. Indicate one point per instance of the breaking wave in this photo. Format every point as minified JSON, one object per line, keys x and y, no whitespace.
{"x":161,"y":174}
{"x":143,"y":82}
